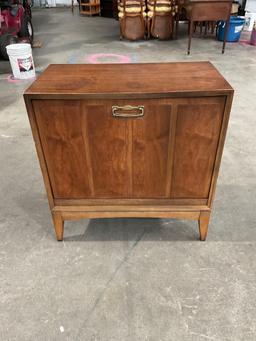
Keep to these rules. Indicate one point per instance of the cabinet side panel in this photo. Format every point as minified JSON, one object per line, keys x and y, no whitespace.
{"x":59,"y":124}
{"x":197,"y":135}
{"x":39,"y":150}
{"x":107,"y":140}
{"x":150,"y":152}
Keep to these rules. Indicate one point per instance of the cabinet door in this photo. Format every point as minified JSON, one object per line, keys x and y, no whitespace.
{"x":196,"y":140}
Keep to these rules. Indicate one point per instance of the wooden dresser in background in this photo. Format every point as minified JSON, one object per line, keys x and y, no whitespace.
{"x":130,"y":140}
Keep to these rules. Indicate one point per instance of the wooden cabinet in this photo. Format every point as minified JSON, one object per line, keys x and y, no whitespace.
{"x":131,"y":140}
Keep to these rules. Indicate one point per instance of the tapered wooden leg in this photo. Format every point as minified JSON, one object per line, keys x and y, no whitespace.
{"x":203,"y":223}
{"x":191,"y":23}
{"x":177,"y":26}
{"x":225,"y":35}
{"x":58,"y":225}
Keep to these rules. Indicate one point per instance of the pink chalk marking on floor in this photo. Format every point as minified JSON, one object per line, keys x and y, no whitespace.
{"x":120,"y":59}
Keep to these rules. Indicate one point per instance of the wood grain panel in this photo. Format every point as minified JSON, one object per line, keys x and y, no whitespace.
{"x":150,"y":152}
{"x":107,"y":139}
{"x":197,"y":135}
{"x":59,"y":124}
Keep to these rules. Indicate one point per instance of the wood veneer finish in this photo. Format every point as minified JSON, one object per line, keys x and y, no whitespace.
{"x":162,"y":164}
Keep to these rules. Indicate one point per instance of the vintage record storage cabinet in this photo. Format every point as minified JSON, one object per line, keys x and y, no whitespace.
{"x":130,"y":140}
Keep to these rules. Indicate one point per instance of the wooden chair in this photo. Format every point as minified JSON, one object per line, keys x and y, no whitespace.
{"x":132,"y":19}
{"x":160,"y":21}
{"x":89,"y":7}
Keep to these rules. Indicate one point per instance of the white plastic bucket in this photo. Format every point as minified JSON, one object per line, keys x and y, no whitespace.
{"x":21,"y":59}
{"x":250,"y":18}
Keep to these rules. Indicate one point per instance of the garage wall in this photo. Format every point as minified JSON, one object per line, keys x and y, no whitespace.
{"x":53,"y":3}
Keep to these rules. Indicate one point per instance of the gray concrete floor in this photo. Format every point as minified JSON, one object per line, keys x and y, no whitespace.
{"x":126,"y":279}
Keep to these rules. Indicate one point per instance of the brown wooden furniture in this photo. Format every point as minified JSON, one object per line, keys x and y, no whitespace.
{"x":208,"y":10}
{"x":130,"y":140}
{"x":132,"y":19}
{"x":89,"y":7}
{"x":160,"y":18}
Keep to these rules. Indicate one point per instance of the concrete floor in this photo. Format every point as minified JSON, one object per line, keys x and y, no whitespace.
{"x":126,"y":279}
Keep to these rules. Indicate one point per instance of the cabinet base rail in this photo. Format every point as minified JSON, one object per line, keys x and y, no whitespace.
{"x":59,"y":216}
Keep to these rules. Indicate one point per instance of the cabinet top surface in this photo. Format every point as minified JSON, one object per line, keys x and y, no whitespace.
{"x":92,"y":80}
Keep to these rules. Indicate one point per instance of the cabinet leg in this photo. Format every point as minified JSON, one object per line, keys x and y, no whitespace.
{"x":203,"y":223}
{"x":58,"y":225}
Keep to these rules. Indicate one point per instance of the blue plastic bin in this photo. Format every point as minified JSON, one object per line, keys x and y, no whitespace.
{"x":235,"y":28}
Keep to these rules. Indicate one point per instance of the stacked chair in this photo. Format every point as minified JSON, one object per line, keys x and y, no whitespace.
{"x":132,"y":18}
{"x":89,"y":7}
{"x":139,"y":19}
{"x":160,"y":18}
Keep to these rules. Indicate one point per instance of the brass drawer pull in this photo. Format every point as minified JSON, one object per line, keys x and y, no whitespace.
{"x":128,"y":111}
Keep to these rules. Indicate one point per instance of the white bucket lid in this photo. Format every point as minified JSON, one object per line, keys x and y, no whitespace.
{"x":15,"y":49}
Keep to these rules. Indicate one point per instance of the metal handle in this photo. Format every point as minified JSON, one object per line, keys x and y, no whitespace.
{"x":128,"y":111}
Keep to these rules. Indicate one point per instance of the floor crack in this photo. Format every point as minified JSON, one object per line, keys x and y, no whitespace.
{"x":97,"y":301}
